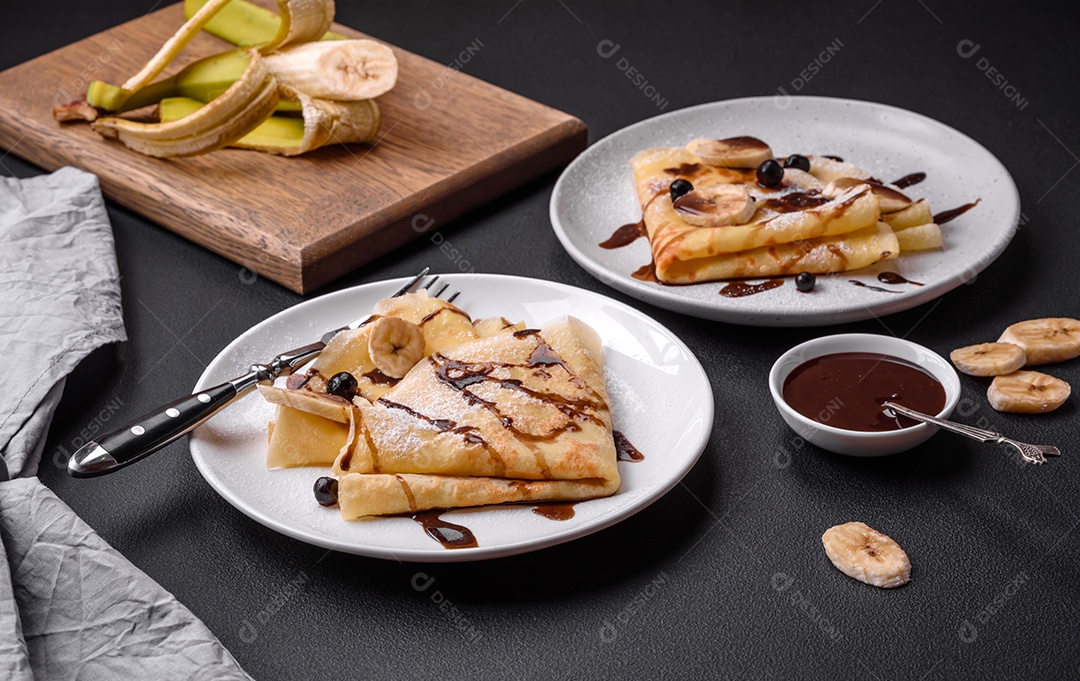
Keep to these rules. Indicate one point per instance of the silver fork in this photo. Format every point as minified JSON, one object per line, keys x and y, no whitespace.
{"x":1035,"y":454}
{"x":149,"y":433}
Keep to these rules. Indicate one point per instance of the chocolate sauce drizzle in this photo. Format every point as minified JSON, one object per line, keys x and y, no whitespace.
{"x":953,"y":213}
{"x":908,"y":180}
{"x":555,"y":511}
{"x":872,"y":288}
{"x":450,"y":535}
{"x":896,"y":278}
{"x":379,"y":378}
{"x":789,"y":203}
{"x":741,"y":289}
{"x":625,"y":451}
{"x":646,"y":273}
{"x":625,"y":235}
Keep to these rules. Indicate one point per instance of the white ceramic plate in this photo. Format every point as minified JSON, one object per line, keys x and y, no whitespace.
{"x":661,"y":400}
{"x":595,"y":195}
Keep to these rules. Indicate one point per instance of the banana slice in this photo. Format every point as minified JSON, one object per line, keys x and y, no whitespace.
{"x":802,"y":179}
{"x":863,"y":553}
{"x":1027,"y":392}
{"x":733,"y":152}
{"x":827,"y":169}
{"x":327,"y":406}
{"x":491,"y":326}
{"x":1045,"y":341}
{"x":989,"y":359}
{"x":716,"y":205}
{"x":889,"y":200}
{"x":395,"y":345}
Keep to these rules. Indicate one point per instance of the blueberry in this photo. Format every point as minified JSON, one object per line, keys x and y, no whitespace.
{"x":805,"y":282}
{"x":798,"y":162}
{"x":342,"y":384}
{"x":680,"y":188}
{"x":326,"y":491}
{"x":770,"y":174}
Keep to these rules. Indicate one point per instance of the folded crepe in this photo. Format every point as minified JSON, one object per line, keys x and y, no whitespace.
{"x":519,"y":415}
{"x":834,"y":235}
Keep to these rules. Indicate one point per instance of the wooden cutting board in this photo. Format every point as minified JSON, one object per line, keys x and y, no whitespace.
{"x":449,"y":143}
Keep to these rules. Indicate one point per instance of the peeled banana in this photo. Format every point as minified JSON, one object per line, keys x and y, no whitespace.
{"x":228,"y":99}
{"x":344,"y":70}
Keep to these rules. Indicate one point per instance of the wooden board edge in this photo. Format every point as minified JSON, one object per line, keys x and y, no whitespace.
{"x":563,"y":143}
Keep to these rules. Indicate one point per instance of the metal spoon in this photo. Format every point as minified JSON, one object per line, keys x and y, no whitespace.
{"x":1031,"y":453}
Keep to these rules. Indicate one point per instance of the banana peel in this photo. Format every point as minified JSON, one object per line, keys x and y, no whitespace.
{"x":244,"y":23}
{"x":322,"y":123}
{"x":245,"y":104}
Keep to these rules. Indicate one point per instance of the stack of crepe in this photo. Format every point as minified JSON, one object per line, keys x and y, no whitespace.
{"x":847,"y":224}
{"x":492,"y":413}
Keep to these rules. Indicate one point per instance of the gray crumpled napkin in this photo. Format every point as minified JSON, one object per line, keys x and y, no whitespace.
{"x":71,"y":607}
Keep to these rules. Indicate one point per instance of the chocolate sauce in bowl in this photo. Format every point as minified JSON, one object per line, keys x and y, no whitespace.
{"x":846,"y":390}
{"x":741,"y":289}
{"x":625,"y":235}
{"x":953,"y":213}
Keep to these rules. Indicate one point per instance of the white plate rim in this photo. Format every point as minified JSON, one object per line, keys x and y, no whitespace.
{"x":439,"y":554}
{"x":671,"y":300}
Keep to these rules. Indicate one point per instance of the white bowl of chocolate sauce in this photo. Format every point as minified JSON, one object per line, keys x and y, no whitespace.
{"x":830,"y":391}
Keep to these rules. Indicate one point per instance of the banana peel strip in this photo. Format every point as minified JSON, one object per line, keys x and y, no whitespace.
{"x":301,"y":21}
{"x":324,"y":122}
{"x":174,"y":45}
{"x":327,"y":122}
{"x":230,"y":116}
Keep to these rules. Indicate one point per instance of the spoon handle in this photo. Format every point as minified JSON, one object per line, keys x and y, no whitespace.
{"x":959,"y":428}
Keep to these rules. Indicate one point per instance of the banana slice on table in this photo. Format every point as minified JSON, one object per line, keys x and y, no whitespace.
{"x":989,"y":359}
{"x":716,"y":205}
{"x":395,"y":345}
{"x":1027,"y":392}
{"x":733,"y":152}
{"x":863,"y":553}
{"x":1045,"y":341}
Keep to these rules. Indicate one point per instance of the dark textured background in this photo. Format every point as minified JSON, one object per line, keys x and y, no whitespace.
{"x":725,"y":576}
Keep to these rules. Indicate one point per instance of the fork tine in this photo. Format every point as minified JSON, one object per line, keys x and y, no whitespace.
{"x":407,"y":288}
{"x":451,"y":298}
{"x":438,"y":294}
{"x":431,"y":282}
